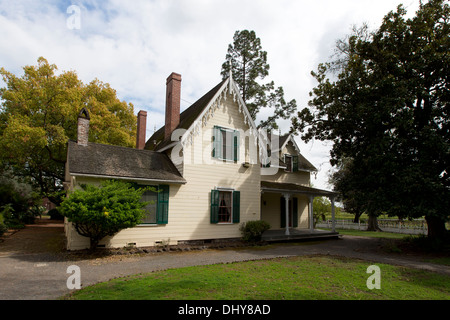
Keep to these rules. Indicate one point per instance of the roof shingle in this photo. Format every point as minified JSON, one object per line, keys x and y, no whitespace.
{"x":101,"y":160}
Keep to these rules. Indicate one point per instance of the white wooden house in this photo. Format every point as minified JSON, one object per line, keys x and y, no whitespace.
{"x":214,"y":169}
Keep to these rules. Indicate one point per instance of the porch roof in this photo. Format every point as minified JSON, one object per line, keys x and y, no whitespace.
{"x":279,"y":187}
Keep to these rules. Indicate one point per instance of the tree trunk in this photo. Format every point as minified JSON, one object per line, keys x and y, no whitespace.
{"x":372,"y":224}
{"x":436,"y":227}
{"x":93,"y":244}
{"x":357,"y":216}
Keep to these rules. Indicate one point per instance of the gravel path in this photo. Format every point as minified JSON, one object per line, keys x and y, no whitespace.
{"x":36,"y":268}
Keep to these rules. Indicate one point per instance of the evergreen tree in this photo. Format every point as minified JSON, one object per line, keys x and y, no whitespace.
{"x":248,"y":63}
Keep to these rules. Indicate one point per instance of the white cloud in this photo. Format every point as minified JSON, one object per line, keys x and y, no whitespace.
{"x":135,"y":45}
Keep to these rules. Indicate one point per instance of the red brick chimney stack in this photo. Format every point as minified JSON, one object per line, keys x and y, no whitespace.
{"x":141,"y":129}
{"x":173,"y":100}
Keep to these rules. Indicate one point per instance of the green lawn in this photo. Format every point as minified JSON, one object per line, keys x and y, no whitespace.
{"x":374,"y":234}
{"x":316,"y":277}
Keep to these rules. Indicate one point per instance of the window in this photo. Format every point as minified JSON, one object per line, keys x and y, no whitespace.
{"x":158,"y":206}
{"x":225,"y":144}
{"x":225,"y":206}
{"x":152,"y":198}
{"x":288,"y":162}
{"x":291,"y":163}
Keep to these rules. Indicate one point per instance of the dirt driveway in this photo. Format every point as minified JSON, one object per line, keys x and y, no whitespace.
{"x":34,"y":263}
{"x":45,"y":236}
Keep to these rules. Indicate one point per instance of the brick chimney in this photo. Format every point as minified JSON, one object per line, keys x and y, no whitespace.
{"x":83,"y":127}
{"x":173,"y":97}
{"x":141,"y":129}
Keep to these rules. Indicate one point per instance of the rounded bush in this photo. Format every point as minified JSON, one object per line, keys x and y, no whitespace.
{"x":253,"y":230}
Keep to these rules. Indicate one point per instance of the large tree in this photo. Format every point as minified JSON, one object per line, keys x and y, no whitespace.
{"x":387,"y":107}
{"x":38,"y":115}
{"x":248,"y":63}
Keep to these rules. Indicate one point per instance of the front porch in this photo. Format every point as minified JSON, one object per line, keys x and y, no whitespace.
{"x":288,"y":208}
{"x":297,"y":234}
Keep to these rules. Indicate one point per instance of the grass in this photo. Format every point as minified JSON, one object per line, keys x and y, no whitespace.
{"x":374,"y":234}
{"x":294,"y":278}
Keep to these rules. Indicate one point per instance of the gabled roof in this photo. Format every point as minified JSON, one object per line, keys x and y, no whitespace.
{"x":187,"y":118}
{"x":114,"y":162}
{"x":192,"y":118}
{"x":303,"y":163}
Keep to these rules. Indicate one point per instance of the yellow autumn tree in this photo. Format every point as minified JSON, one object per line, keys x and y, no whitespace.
{"x":38,"y":115}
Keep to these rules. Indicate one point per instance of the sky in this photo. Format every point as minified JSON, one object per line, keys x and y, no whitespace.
{"x":135,"y":45}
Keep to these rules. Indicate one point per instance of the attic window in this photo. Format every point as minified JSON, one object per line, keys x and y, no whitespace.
{"x":225,"y":144}
{"x":291,"y":163}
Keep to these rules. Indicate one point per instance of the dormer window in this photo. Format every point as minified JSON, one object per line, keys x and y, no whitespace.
{"x":291,"y":163}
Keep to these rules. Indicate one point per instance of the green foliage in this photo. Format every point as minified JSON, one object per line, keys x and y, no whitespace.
{"x":248,"y":63}
{"x":3,"y":228}
{"x":38,"y":115}
{"x":253,"y":230}
{"x":19,"y":204}
{"x":385,"y":104}
{"x":97,"y":212}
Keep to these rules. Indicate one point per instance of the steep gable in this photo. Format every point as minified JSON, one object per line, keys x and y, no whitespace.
{"x":196,"y":116}
{"x":187,"y":118}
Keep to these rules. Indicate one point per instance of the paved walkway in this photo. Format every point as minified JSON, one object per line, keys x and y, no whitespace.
{"x":34,"y":266}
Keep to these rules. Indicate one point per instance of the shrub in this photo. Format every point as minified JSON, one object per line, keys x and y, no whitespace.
{"x":3,"y":227}
{"x":253,"y":230}
{"x":55,"y":214}
{"x":97,"y":212}
{"x":10,"y":217}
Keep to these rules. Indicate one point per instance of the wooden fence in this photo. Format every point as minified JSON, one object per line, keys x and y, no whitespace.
{"x":418,"y":226}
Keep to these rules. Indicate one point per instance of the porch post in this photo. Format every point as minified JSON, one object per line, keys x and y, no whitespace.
{"x":286,"y":198}
{"x":311,"y":214}
{"x":333,"y":220}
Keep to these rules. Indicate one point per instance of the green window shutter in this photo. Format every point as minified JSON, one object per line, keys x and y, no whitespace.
{"x":217,"y":142}
{"x":162,"y":214}
{"x":294,"y":163}
{"x":295,"y":212}
{"x":236,"y":145}
{"x":214,"y":206}
{"x":282,"y":212}
{"x":236,"y":206}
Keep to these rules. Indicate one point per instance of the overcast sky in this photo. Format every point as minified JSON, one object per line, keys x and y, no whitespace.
{"x":135,"y":45}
